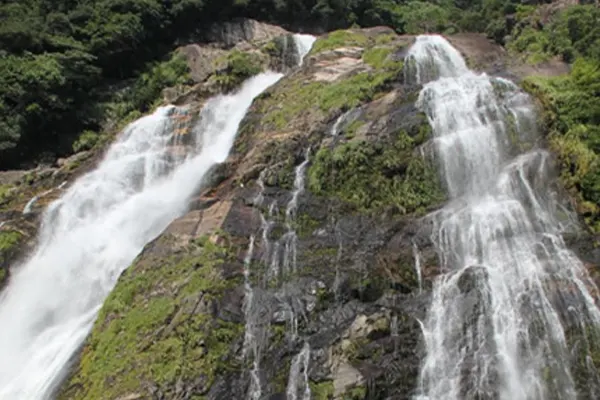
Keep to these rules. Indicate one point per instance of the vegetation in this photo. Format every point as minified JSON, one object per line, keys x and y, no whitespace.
{"x":238,"y":67}
{"x":372,"y":175}
{"x":339,"y":38}
{"x":9,"y":242}
{"x":571,"y":103}
{"x":157,"y":326}
{"x":68,"y":66}
{"x":342,"y":94}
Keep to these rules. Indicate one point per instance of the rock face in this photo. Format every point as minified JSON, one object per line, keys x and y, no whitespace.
{"x":306,"y":240}
{"x":333,"y":268}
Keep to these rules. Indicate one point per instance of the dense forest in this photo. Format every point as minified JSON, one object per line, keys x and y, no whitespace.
{"x":68,"y":66}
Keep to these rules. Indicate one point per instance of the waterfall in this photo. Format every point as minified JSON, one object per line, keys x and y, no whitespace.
{"x":298,"y":387}
{"x":511,"y":294}
{"x":303,"y":43}
{"x":29,"y":206}
{"x":257,"y":302}
{"x":417,"y":257}
{"x":96,"y":229}
{"x":335,"y":129}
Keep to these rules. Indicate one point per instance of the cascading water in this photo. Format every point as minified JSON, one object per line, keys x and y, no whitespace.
{"x":96,"y":229}
{"x":257,"y":304}
{"x":303,"y":43}
{"x":511,"y":294}
{"x":417,"y":257}
{"x":298,"y":387}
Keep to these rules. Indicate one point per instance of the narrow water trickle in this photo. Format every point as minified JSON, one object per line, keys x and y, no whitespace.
{"x":338,"y":261}
{"x":304,"y":43}
{"x":417,"y":257}
{"x":251,"y":342}
{"x":298,"y":387}
{"x":29,"y":206}
{"x":504,"y":315}
{"x":335,"y":129}
{"x":95,"y":230}
{"x":277,"y":264}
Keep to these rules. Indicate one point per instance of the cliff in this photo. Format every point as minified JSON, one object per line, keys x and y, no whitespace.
{"x":317,"y":212}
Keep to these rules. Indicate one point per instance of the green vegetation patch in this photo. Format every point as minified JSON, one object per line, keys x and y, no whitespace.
{"x":340,"y":38}
{"x":9,"y":243}
{"x":295,"y":97}
{"x":239,"y":67}
{"x":5,"y":193}
{"x":157,"y":326}
{"x":145,"y":93}
{"x":322,"y":390}
{"x":373,"y":175}
{"x":571,"y":118}
{"x":572,"y":32}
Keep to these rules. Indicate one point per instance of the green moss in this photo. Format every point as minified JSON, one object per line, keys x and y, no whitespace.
{"x":374,"y":175}
{"x":571,"y":118}
{"x":356,"y":393}
{"x":156,"y":326}
{"x":295,"y":97}
{"x":322,"y":390}
{"x":5,"y":192}
{"x":357,"y":89}
{"x":305,"y":225}
{"x":88,"y":140}
{"x":376,"y":56}
{"x":338,"y":39}
{"x":239,"y":67}
{"x":9,"y":242}
{"x":385,"y":38}
{"x":350,"y":130}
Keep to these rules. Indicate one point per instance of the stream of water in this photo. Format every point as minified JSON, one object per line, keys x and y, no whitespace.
{"x":96,"y":229}
{"x":511,"y":297}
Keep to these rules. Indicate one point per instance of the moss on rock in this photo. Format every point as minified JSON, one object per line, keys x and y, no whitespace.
{"x":373,"y":175}
{"x":338,"y":39}
{"x":9,"y":242}
{"x":294,"y":96}
{"x":322,"y":390}
{"x":156,"y":329}
{"x":239,"y":66}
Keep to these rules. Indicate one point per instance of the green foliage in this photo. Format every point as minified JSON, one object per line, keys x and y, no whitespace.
{"x":148,"y":87}
{"x":63,"y":63}
{"x":572,"y":115}
{"x":5,"y":191}
{"x":356,"y":393}
{"x":239,"y":67}
{"x":86,"y":141}
{"x":422,"y":17}
{"x":376,"y":56}
{"x":375,"y":175}
{"x":572,"y":32}
{"x":296,"y":96}
{"x":322,"y":390}
{"x":340,"y":38}
{"x":9,"y":242}
{"x":156,"y":325}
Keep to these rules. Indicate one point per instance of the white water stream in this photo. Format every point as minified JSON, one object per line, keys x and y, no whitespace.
{"x":96,"y":229}
{"x":257,"y":307}
{"x":496,"y":327}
